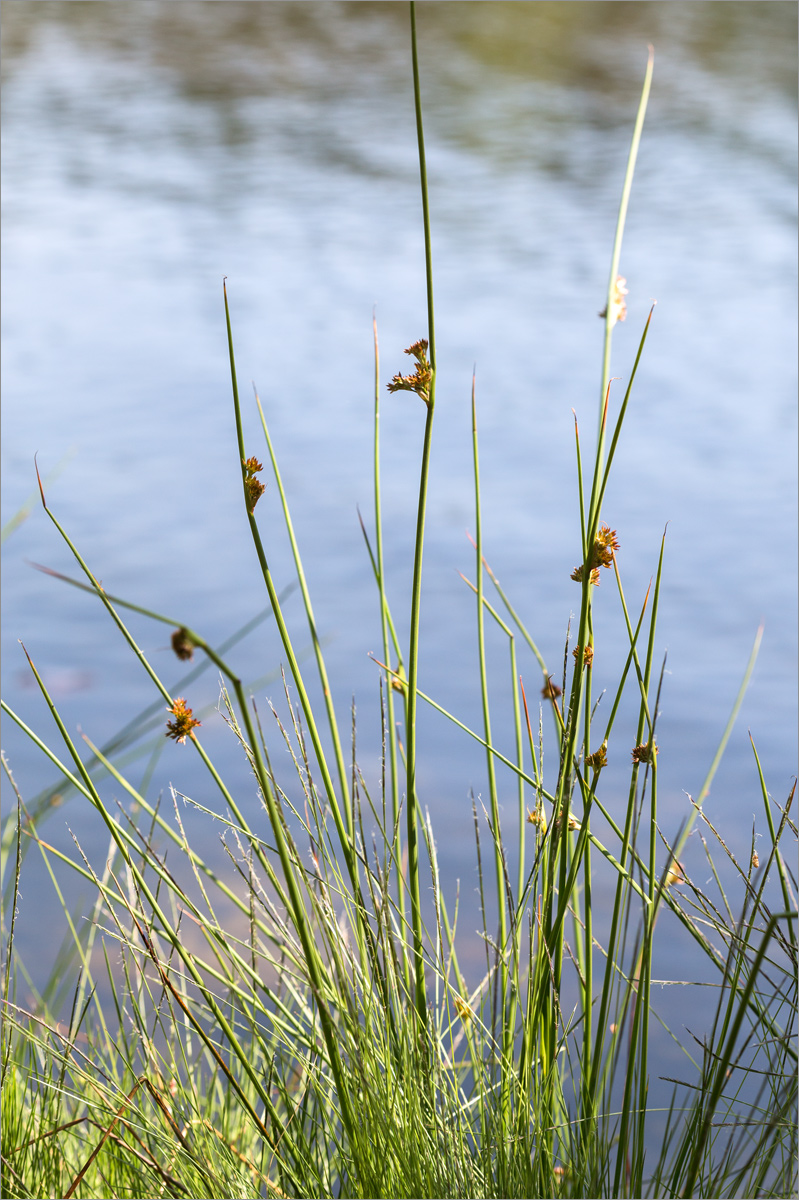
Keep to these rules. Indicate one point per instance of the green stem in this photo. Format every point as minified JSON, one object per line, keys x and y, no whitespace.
{"x":416,"y":593}
{"x":384,"y":626}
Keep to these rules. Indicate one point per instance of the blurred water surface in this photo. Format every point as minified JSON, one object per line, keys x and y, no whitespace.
{"x":150,"y":148}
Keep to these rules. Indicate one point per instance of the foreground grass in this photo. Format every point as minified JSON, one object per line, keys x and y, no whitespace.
{"x":300,"y":1024}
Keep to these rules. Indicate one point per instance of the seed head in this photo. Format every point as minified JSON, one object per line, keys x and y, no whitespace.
{"x":605,"y":546}
{"x":254,"y":488}
{"x":675,"y":873}
{"x":422,"y":377}
{"x":182,"y":644}
{"x":463,"y":1010}
{"x":550,"y":690}
{"x":577,"y":575}
{"x":598,"y":759}
{"x":537,"y":818}
{"x":184,"y":722}
{"x":644,"y":752}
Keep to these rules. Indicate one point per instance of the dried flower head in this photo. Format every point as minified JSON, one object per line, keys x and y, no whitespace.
{"x":618,"y":305}
{"x":577,"y":575}
{"x":644,"y":752}
{"x":182,"y":644}
{"x":588,"y":654}
{"x":184,"y":722}
{"x":675,"y":873}
{"x":550,"y":690}
{"x":463,"y":1010}
{"x":422,"y":377}
{"x":399,"y":681}
{"x":537,"y":818}
{"x":605,"y":546}
{"x":598,"y":759}
{"x":254,"y":488}
{"x":755,"y":860}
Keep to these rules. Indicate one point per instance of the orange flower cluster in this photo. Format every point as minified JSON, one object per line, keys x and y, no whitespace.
{"x":184,"y":722}
{"x":422,"y":377}
{"x":602,"y":553}
{"x":255,"y":489}
{"x":598,"y":759}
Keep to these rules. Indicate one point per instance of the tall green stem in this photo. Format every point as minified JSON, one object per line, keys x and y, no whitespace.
{"x":416,"y":593}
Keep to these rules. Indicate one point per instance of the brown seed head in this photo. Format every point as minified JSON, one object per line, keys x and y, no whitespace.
{"x":422,"y":377}
{"x":599,"y":758}
{"x":182,"y":645}
{"x":644,"y":752}
{"x":577,"y":575}
{"x":550,"y":690}
{"x":604,"y":547}
{"x":254,"y":488}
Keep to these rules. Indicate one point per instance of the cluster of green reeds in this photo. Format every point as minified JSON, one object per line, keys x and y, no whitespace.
{"x":300,"y":1024}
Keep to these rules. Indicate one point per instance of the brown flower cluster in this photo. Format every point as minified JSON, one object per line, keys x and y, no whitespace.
{"x":644,"y":752}
{"x":463,"y":1010}
{"x":588,"y":654}
{"x":605,"y":546}
{"x":598,"y":759}
{"x":536,"y":817}
{"x":602,"y":553}
{"x":422,"y":377}
{"x":184,"y":722}
{"x":254,"y":488}
{"x":577,"y":575}
{"x":550,"y":690}
{"x":183,"y":645}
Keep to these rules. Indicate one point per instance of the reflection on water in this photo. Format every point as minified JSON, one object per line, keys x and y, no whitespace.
{"x":150,"y":148}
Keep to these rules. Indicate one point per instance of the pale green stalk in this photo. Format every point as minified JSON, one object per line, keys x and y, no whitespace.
{"x":411,"y":799}
{"x":320,"y":661}
{"x":341,"y":823}
{"x":385,"y":619}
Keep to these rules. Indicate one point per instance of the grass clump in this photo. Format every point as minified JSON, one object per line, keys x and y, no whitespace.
{"x":300,"y":1024}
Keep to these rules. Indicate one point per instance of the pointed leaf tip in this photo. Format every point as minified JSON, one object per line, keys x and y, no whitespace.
{"x":39,"y":480}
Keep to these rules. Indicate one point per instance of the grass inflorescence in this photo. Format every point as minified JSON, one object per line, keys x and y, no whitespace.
{"x":300,"y":1024}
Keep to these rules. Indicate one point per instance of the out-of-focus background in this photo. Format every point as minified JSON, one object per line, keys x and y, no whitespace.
{"x":150,"y":148}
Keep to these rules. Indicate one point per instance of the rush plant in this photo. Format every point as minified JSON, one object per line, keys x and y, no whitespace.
{"x":317,"y":1034}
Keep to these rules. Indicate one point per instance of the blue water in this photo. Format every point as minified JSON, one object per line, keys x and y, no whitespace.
{"x":149,"y":149}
